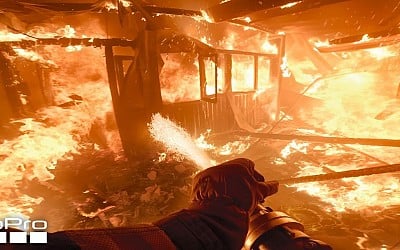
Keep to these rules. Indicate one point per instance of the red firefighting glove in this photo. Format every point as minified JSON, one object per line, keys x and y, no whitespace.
{"x":223,"y":197}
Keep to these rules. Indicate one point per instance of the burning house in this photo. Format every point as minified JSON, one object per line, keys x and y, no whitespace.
{"x":109,"y":107}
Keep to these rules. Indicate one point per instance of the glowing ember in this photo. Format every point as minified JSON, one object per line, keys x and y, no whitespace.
{"x":364,"y":38}
{"x":110,"y":6}
{"x":205,"y":40}
{"x":320,"y":43}
{"x":206,"y":16}
{"x":125,"y":3}
{"x":74,"y":48}
{"x":177,"y":140}
{"x":67,"y":31}
{"x":247,"y":19}
{"x":294,"y":146}
{"x":289,"y":5}
{"x":381,"y":52}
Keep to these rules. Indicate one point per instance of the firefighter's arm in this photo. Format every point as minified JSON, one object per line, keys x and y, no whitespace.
{"x":223,"y":196}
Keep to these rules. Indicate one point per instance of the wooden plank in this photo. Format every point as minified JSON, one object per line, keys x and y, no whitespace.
{"x":237,"y":8}
{"x":342,"y":174}
{"x":314,"y":138}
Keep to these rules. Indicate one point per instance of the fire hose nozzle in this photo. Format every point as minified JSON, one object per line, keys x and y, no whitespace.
{"x":269,"y":188}
{"x":275,"y":230}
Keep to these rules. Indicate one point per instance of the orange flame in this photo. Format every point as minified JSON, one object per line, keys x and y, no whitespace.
{"x":55,"y":133}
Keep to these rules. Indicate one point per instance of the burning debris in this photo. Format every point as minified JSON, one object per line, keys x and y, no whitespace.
{"x":85,"y":140}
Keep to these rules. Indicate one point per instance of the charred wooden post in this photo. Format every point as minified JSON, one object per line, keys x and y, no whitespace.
{"x":325,"y":139}
{"x":10,"y":84}
{"x":136,"y":94}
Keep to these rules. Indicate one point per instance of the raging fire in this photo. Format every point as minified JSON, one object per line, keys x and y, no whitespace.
{"x":357,"y":99}
{"x":56,"y":132}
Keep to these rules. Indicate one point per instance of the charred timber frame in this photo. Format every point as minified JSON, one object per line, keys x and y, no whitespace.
{"x":199,"y":115}
{"x":132,"y":121}
{"x":65,"y":42}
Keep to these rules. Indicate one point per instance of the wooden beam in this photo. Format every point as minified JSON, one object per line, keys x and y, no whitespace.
{"x":342,"y":174}
{"x":262,"y":9}
{"x":65,"y":42}
{"x":300,"y":6}
{"x":324,"y":139}
{"x":237,"y":8}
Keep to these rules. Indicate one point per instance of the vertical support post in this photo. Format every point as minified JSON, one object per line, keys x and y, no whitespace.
{"x":228,"y":72}
{"x":135,"y":104}
{"x":255,"y":72}
{"x":10,"y":83}
{"x":202,"y":71}
{"x":216,"y":77}
{"x":281,"y":55}
{"x":113,"y":83}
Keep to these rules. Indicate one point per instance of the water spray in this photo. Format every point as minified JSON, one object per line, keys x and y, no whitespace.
{"x":176,"y":139}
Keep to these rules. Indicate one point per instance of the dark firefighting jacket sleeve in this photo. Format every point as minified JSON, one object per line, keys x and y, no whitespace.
{"x":222,"y":199}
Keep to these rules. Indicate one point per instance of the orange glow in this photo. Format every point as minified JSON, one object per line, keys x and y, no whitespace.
{"x":179,"y":77}
{"x":125,"y":3}
{"x":206,"y":16}
{"x":247,"y":19}
{"x":289,"y":5}
{"x":267,"y":47}
{"x":285,"y":67}
{"x":229,"y":148}
{"x":361,"y":193}
{"x":6,"y":36}
{"x":110,"y":6}
{"x":234,"y":148}
{"x":34,"y":56}
{"x":56,"y":133}
{"x":364,"y":38}
{"x":357,"y":98}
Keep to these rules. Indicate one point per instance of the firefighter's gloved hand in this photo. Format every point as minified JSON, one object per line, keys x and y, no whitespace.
{"x":236,"y":180}
{"x":223,"y":197}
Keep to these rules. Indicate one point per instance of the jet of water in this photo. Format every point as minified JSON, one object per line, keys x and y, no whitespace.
{"x":176,"y":139}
